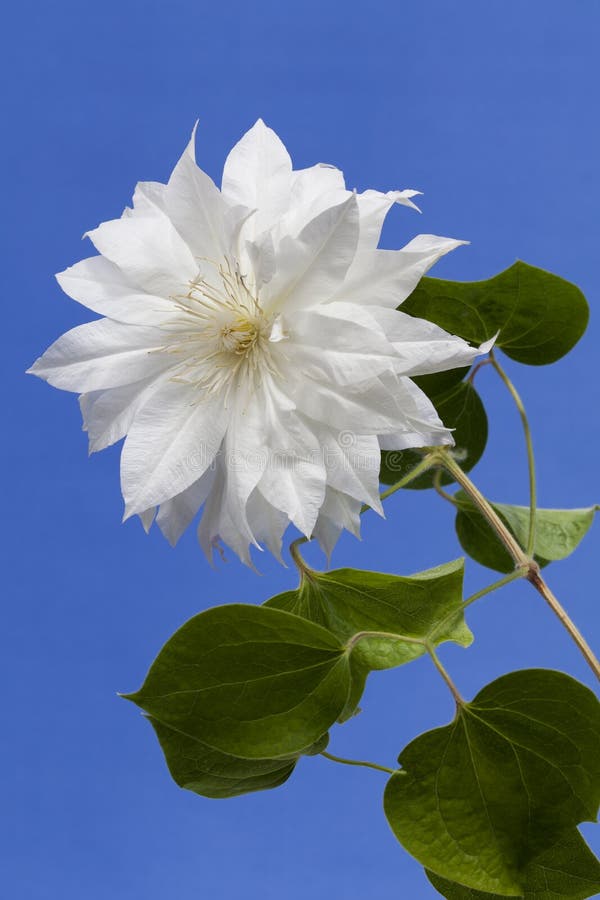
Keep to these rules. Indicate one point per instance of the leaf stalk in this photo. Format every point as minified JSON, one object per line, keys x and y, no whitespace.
{"x":530,"y":455}
{"x":359,"y":762}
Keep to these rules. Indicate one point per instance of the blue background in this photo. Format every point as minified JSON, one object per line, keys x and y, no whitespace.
{"x":490,"y":109}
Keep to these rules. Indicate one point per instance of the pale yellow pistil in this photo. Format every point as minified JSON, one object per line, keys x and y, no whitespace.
{"x":239,"y":336}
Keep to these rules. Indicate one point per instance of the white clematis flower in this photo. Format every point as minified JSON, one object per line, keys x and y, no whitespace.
{"x":251,"y":352}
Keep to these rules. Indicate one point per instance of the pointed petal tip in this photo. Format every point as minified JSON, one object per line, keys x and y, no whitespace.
{"x":128,"y":512}
{"x":403,"y":198}
{"x":37,"y":369}
{"x":378,"y":508}
{"x":487,"y":345}
{"x":191,"y":146}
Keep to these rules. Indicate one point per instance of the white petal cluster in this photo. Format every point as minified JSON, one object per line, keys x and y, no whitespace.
{"x":250,"y":350}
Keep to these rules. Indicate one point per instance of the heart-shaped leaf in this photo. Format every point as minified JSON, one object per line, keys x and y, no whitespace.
{"x":249,"y":682}
{"x":538,"y":316}
{"x":480,"y":799}
{"x":558,"y":532}
{"x":426,"y":606}
{"x":568,"y":870}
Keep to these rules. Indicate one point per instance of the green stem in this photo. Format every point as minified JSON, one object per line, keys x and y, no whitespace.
{"x":523,"y":562}
{"x":530,"y":456}
{"x":437,"y":475}
{"x":358,"y":762}
{"x":480,"y":365}
{"x":535,"y":578}
{"x":298,"y":559}
{"x":426,"y":463}
{"x":436,"y":661}
{"x":512,"y":576}
{"x":520,"y":558}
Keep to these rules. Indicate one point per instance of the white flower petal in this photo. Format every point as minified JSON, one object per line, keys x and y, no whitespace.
{"x":423,"y":348}
{"x":148,"y":194}
{"x":108,"y":414}
{"x":268,"y":523}
{"x":388,"y":277}
{"x":312,"y":189}
{"x":337,"y":513}
{"x":338,"y":342}
{"x":368,"y":408}
{"x":147,"y":518}
{"x":171,"y":443}
{"x":149,"y":251}
{"x":257,"y":175}
{"x":196,"y":207}
{"x":373,"y":208}
{"x":176,"y":514}
{"x":294,"y":477}
{"x":245,"y":456}
{"x":101,"y":286}
{"x":352,"y":462}
{"x":101,"y":354}
{"x":219,"y":524}
{"x":261,"y":254}
{"x":310,"y":267}
{"x":297,"y":489}
{"x":421,"y":425}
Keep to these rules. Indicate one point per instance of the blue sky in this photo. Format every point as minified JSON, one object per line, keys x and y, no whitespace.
{"x":491,"y":110}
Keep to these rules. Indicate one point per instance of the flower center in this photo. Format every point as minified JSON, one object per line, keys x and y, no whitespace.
{"x":223,"y":335}
{"x":239,"y":336}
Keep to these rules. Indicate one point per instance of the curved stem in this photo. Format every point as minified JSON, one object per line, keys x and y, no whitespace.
{"x":436,"y":661}
{"x":530,"y":456}
{"x":521,"y":572}
{"x":437,"y":483}
{"x":512,"y":576}
{"x":358,"y":762}
{"x":480,"y":365}
{"x":426,"y":463}
{"x":521,"y":559}
{"x":299,"y":561}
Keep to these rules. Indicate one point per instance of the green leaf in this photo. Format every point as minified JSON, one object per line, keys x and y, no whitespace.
{"x":481,"y":799}
{"x":439,"y":383}
{"x":197,"y":767}
{"x":539,"y":316}
{"x":425,"y":606}
{"x":249,"y":682}
{"x":459,"y":407}
{"x":568,"y":870}
{"x":558,"y":532}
